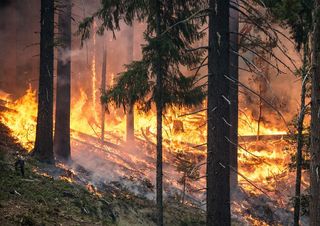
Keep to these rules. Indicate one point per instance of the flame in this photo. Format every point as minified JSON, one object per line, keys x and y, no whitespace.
{"x":21,"y":119}
{"x":262,"y":162}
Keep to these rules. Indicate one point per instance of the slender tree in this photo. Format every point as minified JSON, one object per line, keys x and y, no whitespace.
{"x":159,"y":106}
{"x":234,"y":74}
{"x":44,"y":131}
{"x":168,"y":48}
{"x":130,"y":110}
{"x":103,"y":87}
{"x":315,"y":121}
{"x":218,"y":113}
{"x":62,"y":122}
{"x":297,"y":14}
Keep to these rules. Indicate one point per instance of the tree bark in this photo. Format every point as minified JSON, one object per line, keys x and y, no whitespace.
{"x":130,"y":112}
{"x":44,"y":130}
{"x":218,"y":113}
{"x":62,"y":122}
{"x":103,"y":87}
{"x":159,"y":107}
{"x":315,"y":122}
{"x":234,"y":73}
{"x":300,"y":141}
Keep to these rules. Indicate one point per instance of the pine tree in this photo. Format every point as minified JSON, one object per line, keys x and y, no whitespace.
{"x":234,"y":74}
{"x":130,"y":110}
{"x":218,"y":113}
{"x":298,"y":15}
{"x":163,"y":55}
{"x":44,"y":132}
{"x":315,"y":121}
{"x":62,"y":121}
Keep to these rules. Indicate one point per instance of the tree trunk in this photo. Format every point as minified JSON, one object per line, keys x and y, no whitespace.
{"x":315,"y":122}
{"x":103,"y":87}
{"x":130,"y":112}
{"x":234,"y":73}
{"x":44,"y":131}
{"x":62,"y":122}
{"x":159,"y":106}
{"x":260,"y":110}
{"x":218,"y":113}
{"x":300,"y":140}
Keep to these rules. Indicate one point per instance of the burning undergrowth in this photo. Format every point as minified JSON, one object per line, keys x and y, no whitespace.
{"x":266,"y":183}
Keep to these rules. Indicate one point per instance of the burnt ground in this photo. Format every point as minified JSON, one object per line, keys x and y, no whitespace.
{"x":43,"y":199}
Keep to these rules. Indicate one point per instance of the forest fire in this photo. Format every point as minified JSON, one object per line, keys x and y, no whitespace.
{"x":263,"y":164}
{"x":161,"y":108}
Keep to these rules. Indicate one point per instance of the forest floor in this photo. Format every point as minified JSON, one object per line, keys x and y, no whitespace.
{"x":41,"y":199}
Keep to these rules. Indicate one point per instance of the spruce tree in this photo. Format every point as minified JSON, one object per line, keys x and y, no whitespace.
{"x":218,"y":114}
{"x":44,"y":132}
{"x":62,"y":120}
{"x":168,"y":48}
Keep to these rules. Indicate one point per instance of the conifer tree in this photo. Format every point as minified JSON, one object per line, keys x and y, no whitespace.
{"x":44,"y":132}
{"x":62,"y":120}
{"x":168,"y":48}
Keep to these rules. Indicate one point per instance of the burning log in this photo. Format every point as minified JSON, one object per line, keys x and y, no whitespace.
{"x":97,"y":140}
{"x":253,"y":138}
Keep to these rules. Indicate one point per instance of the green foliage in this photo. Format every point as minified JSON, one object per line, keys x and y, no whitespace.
{"x":171,"y":49}
{"x":132,"y":86}
{"x":297,"y":14}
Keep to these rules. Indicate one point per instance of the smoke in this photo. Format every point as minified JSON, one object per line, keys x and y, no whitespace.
{"x":281,"y":90}
{"x":19,"y":22}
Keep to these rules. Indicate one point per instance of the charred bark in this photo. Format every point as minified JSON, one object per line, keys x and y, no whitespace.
{"x":315,"y":122}
{"x":218,"y":113}
{"x":62,"y":122}
{"x":130,"y":112}
{"x":159,"y":107}
{"x":300,"y":141}
{"x":44,"y":131}
{"x":234,"y":74}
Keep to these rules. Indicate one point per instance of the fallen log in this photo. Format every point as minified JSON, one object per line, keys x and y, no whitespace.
{"x":97,"y":140}
{"x":252,"y":138}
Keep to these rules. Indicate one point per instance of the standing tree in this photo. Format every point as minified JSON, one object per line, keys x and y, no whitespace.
{"x":297,"y":15}
{"x":43,"y":149}
{"x":218,"y":113}
{"x":62,"y":122}
{"x":234,"y":74}
{"x":168,"y":48}
{"x":315,"y":121}
{"x":130,"y":110}
{"x":103,"y":87}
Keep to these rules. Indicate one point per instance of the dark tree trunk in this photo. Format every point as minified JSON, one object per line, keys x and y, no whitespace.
{"x":130,"y":112}
{"x":62,"y":122}
{"x":300,"y":140}
{"x":218,"y":113}
{"x":260,"y":110}
{"x":159,"y":106}
{"x":44,"y":132}
{"x":315,"y":122}
{"x":234,"y":73}
{"x":103,"y":87}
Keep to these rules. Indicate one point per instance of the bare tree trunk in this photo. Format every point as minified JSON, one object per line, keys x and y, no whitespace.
{"x":300,"y":140}
{"x":260,"y":110}
{"x":130,"y":112}
{"x":159,"y":106}
{"x":103,"y":86}
{"x":234,"y":73}
{"x":44,"y":132}
{"x":218,"y":113}
{"x":315,"y":122}
{"x":63,"y":101}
